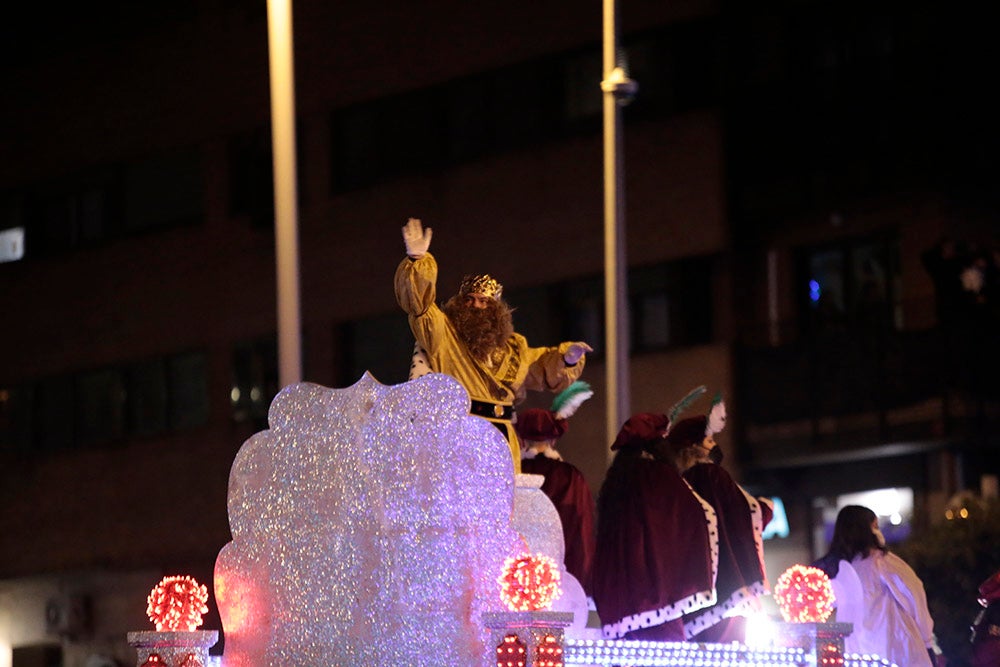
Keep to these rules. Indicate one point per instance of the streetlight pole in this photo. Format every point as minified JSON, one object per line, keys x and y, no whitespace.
{"x":618,"y":90}
{"x":282,"y":71}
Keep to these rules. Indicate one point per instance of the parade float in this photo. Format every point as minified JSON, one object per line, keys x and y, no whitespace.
{"x":382,"y":525}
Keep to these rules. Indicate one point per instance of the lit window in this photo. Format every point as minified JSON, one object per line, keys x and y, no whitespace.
{"x":12,"y":244}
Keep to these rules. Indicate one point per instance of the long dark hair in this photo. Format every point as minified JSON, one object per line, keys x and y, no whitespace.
{"x":852,"y":536}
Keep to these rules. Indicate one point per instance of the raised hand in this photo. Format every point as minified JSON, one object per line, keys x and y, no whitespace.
{"x":416,"y":238}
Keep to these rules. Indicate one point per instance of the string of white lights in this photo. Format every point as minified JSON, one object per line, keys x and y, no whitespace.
{"x":604,"y":653}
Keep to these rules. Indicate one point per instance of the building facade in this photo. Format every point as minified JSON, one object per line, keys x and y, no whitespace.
{"x":785,"y":174}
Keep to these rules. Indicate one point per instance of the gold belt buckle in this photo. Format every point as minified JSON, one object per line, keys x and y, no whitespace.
{"x":497,"y":411}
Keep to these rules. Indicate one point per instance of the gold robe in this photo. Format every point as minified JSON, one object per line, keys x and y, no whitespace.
{"x":516,"y":370}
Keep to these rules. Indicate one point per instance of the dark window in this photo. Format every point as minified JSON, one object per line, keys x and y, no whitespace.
{"x":100,"y":406}
{"x":163,"y":191}
{"x":551,"y":314}
{"x":536,"y":314}
{"x":582,"y":80}
{"x":388,"y":137}
{"x":529,"y":104}
{"x":251,"y":178}
{"x":671,"y":304}
{"x":75,"y":212}
{"x":355,"y":158}
{"x":104,"y":405}
{"x":677,"y":69}
{"x":468,"y":108}
{"x":651,"y":313}
{"x":411,"y":132}
{"x":147,"y":397}
{"x":188,"y":383}
{"x":16,"y":404}
{"x":100,"y":204}
{"x":54,"y":414}
{"x":854,"y":284}
{"x":33,"y":32}
{"x":255,"y":380}
{"x":517,"y":106}
{"x":583,"y":304}
{"x":383,"y":346}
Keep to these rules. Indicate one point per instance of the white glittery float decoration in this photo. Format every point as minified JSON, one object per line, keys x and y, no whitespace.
{"x":537,"y":520}
{"x":369,"y":527}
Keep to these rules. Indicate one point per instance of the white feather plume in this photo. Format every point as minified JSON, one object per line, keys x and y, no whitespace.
{"x":716,"y":417}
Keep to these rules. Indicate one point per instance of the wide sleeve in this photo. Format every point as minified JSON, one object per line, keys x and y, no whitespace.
{"x":906,"y":587}
{"x":546,"y":369}
{"x":848,"y":593}
{"x":416,"y":284}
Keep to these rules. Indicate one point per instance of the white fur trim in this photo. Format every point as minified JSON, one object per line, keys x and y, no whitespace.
{"x":743,"y":602}
{"x":419,"y":365}
{"x":648,"y":619}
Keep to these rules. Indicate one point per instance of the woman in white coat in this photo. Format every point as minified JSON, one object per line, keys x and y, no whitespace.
{"x":879,"y":593}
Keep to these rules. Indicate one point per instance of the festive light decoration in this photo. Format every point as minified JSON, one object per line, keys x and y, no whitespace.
{"x":804,"y":595}
{"x":529,"y":582}
{"x":549,"y":652}
{"x":177,"y":604}
{"x":154,"y":660}
{"x":511,"y":652}
{"x":191,"y":660}
{"x":830,"y":654}
{"x":608,"y":653}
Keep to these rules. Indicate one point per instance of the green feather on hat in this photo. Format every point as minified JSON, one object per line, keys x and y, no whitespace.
{"x":569,"y":399}
{"x":683,"y":404}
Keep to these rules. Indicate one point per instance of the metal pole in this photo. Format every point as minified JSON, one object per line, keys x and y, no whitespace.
{"x":618,"y":89}
{"x":279,"y":23}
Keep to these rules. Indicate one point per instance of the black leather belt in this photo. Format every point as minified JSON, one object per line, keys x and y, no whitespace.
{"x":492,"y":410}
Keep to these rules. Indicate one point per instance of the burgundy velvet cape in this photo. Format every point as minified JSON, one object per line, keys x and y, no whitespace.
{"x":654,"y":553}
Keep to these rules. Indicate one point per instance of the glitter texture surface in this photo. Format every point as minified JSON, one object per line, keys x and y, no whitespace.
{"x":537,"y":520}
{"x":369,"y":526}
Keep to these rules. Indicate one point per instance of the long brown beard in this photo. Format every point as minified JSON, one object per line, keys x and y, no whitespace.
{"x":483,"y":330}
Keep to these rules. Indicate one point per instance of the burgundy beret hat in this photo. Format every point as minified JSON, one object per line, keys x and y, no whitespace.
{"x":535,"y":425}
{"x":640,"y":429}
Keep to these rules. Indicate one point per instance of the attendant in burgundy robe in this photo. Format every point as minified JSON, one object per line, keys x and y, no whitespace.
{"x":740,"y":580}
{"x":654,"y":561}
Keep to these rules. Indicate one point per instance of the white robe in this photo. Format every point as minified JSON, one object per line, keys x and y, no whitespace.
{"x":891,"y":618}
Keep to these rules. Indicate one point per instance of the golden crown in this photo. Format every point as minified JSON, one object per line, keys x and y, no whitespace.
{"x":482,"y":284}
